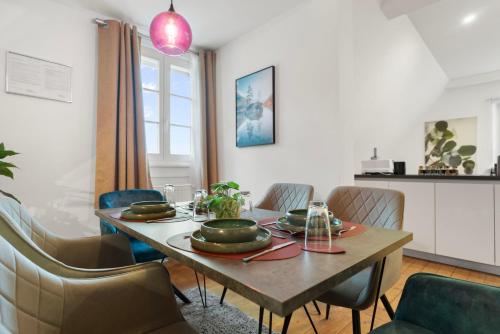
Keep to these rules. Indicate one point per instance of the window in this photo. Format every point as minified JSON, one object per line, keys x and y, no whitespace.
{"x":167,"y":88}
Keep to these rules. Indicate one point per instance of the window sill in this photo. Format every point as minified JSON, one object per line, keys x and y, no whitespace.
{"x":164,"y":164}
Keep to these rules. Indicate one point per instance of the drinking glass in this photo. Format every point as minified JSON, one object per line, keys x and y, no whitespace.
{"x":318,"y":232}
{"x":169,"y":193}
{"x":247,"y":205}
{"x":200,"y":209}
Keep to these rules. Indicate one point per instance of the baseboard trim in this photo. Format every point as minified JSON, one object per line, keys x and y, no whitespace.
{"x":486,"y":268}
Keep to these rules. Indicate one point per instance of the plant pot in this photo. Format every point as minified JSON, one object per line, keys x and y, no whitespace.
{"x":228,"y":209}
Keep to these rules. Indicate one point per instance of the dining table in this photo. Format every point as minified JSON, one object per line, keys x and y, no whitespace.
{"x":280,"y":286}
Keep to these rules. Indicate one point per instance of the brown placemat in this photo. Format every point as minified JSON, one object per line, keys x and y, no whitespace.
{"x":178,"y":215}
{"x":183,"y":242}
{"x":268,"y":223}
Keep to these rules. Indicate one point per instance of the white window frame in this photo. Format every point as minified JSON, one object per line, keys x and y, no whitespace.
{"x":164,"y":158}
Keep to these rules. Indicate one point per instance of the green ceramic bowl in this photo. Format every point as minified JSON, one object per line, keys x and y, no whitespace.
{"x":263,"y":239}
{"x":298,"y":217}
{"x":150,"y":207}
{"x":229,"y":230}
{"x":129,"y":215}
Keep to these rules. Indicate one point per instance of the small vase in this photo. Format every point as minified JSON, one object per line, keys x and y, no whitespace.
{"x":230,"y":209}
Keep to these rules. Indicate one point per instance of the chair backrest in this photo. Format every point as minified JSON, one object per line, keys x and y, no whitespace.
{"x":123,"y":198}
{"x":448,"y":305}
{"x":375,"y":207}
{"x":28,"y":225}
{"x":368,"y":206}
{"x":31,"y":299}
{"x":287,"y":196}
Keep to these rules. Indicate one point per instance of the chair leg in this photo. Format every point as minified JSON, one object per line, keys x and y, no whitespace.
{"x":270,"y":322}
{"x":356,"y":322}
{"x":261,"y":319}
{"x":223,"y":295}
{"x":327,"y":311}
{"x":387,"y":306}
{"x":317,"y":307}
{"x":181,"y":296}
{"x":286,"y":323}
{"x":310,"y":319}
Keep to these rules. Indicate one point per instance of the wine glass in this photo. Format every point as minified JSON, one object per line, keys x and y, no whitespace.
{"x":318,"y":231}
{"x":169,"y":193}
{"x":247,"y":205}
{"x":200,"y":208}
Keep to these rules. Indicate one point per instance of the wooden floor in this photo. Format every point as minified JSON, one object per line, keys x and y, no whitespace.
{"x":340,"y":318}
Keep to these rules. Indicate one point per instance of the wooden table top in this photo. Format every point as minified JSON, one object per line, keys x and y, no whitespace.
{"x":279,"y":286}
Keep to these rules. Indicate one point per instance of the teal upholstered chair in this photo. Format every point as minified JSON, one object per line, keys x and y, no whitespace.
{"x":432,"y":304}
{"x":117,"y":199}
{"x":141,"y":250}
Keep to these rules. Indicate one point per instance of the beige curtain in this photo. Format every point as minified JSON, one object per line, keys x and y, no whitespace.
{"x":210,"y":173}
{"x":121,"y":159}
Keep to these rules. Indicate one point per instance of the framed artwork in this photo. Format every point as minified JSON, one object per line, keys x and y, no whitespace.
{"x":255,"y":108}
{"x":451,"y":143}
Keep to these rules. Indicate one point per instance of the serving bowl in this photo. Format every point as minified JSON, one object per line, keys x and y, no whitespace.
{"x":229,"y":230}
{"x":262,"y":240}
{"x":150,"y":207}
{"x":298,"y":217}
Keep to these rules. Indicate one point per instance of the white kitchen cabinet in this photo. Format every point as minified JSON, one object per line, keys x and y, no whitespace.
{"x":372,"y":184}
{"x":497,"y":223}
{"x":419,"y":214}
{"x":465,"y":221}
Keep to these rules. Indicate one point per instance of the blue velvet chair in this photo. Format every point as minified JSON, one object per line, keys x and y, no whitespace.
{"x":142,"y":251}
{"x":433,"y":304}
{"x":117,"y":199}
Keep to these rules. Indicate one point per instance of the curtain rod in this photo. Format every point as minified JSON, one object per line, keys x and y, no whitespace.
{"x":102,"y":23}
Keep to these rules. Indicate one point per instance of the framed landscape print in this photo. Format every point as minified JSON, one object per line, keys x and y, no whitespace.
{"x":255,"y":108}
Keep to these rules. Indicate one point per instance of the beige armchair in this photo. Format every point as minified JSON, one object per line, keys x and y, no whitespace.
{"x":106,"y":251}
{"x":377,"y":208}
{"x":33,"y":300}
{"x":287,"y":196}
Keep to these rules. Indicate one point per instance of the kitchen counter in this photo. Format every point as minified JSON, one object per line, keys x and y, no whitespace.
{"x":428,"y":177}
{"x":454,"y":219}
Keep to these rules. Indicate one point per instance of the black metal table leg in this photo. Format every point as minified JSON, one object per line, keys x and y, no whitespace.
{"x":181,"y":296}
{"x":317,"y":307}
{"x":286,"y":324}
{"x":223,"y":295}
{"x":387,"y":306}
{"x":199,"y":289}
{"x":270,"y":322}
{"x":328,"y":306}
{"x":310,"y":320}
{"x":378,"y":294}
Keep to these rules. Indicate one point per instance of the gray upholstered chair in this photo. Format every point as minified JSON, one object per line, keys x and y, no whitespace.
{"x":33,"y":300}
{"x":105,"y":251}
{"x":287,"y":196}
{"x":376,"y":208}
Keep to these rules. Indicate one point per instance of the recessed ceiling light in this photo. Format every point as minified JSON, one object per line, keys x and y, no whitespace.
{"x":469,"y":19}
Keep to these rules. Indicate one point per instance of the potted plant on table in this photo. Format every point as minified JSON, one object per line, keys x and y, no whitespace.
{"x":6,"y":167}
{"x":225,"y":200}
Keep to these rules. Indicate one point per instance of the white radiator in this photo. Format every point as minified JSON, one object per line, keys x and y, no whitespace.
{"x":183,"y":192}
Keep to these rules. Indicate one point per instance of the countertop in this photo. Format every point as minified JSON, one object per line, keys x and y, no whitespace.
{"x":428,"y":177}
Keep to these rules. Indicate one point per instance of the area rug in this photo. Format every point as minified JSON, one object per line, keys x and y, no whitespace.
{"x":216,"y":318}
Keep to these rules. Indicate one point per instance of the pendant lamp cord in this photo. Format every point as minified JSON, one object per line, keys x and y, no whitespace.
{"x":171,"y":9}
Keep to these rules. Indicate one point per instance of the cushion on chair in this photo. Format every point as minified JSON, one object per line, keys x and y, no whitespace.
{"x":287,"y":196}
{"x":400,"y":327}
{"x":447,"y":305}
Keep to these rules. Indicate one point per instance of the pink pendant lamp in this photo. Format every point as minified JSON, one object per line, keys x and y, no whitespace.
{"x":170,"y":33}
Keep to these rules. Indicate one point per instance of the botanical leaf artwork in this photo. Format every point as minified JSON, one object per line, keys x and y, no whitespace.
{"x":445,"y":146}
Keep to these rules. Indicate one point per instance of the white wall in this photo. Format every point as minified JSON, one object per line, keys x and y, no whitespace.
{"x":397,"y":80}
{"x":470,"y":101}
{"x":55,"y":179}
{"x":303,"y":45}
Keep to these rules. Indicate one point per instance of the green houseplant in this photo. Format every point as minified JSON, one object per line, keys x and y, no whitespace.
{"x":6,"y":167}
{"x":225,"y":200}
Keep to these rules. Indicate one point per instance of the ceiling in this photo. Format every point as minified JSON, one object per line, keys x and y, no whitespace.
{"x":461,"y":49}
{"x":214,"y":22}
